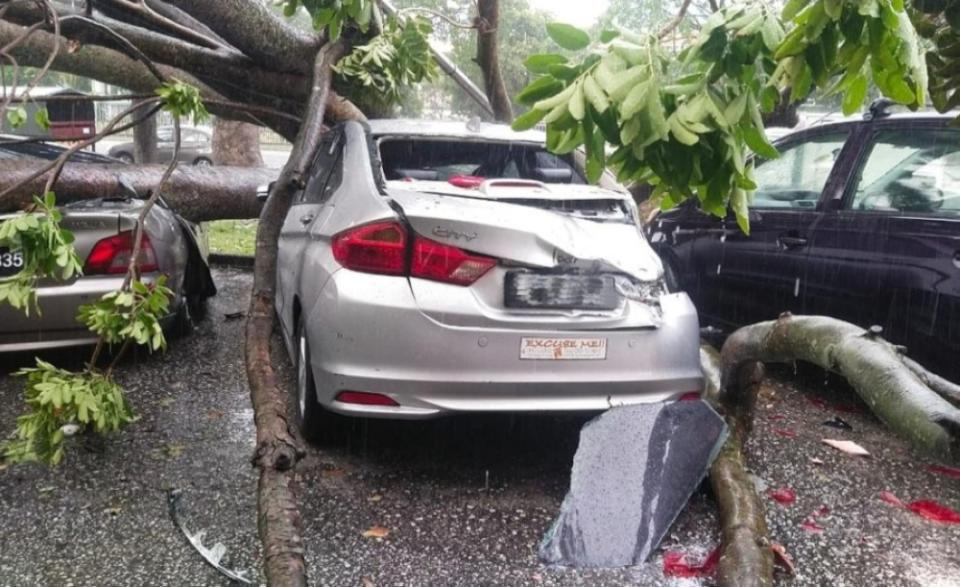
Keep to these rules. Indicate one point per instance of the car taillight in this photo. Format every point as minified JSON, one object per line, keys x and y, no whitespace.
{"x":440,"y":262}
{"x":382,"y":248}
{"x":373,"y":248}
{"x":111,"y":256}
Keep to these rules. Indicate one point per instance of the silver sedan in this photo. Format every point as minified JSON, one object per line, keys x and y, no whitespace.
{"x":104,"y":230}
{"x":434,"y":268}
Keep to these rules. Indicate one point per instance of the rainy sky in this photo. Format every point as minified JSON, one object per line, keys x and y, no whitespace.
{"x":573,"y":11}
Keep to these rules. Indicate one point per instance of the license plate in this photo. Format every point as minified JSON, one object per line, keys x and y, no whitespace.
{"x":563,"y":349}
{"x":11,"y":262}
{"x":560,"y":292}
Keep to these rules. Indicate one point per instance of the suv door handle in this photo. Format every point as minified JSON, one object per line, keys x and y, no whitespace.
{"x":787,"y":241}
{"x":307,"y":219}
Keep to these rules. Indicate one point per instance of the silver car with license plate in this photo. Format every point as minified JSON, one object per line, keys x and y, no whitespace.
{"x":433,"y":268}
{"x":104,"y":229}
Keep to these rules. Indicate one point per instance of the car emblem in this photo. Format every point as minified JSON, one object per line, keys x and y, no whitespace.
{"x":450,"y":233}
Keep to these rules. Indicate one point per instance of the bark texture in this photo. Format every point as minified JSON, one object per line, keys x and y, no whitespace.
{"x":278,"y":448}
{"x":197,"y":194}
{"x":488,"y":58}
{"x":872,"y":366}
{"x":746,"y":559}
{"x":236,"y":143}
{"x":145,"y":138}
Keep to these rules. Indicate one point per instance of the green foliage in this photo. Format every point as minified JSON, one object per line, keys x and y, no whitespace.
{"x":47,"y":251}
{"x":835,"y":44}
{"x":686,"y":123}
{"x":42,"y":118}
{"x":939,"y":23}
{"x":183,"y":100}
{"x":333,"y":15}
{"x":130,"y":314}
{"x":17,"y":116}
{"x":681,"y":123}
{"x":61,"y":404}
{"x":391,"y":61}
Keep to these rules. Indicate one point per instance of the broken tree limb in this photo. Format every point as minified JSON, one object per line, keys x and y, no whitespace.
{"x":278,"y":447}
{"x":746,"y":559}
{"x":872,"y":366}
{"x":946,"y":389}
{"x":196,"y":193}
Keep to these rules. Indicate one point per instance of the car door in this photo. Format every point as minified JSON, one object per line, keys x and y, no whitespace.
{"x":891,"y":251}
{"x":749,"y":278}
{"x":325,"y":175}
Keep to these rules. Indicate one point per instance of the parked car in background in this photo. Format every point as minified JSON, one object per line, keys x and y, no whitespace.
{"x":859,"y":220}
{"x":104,"y":229}
{"x":195,"y":147}
{"x":433,"y":268}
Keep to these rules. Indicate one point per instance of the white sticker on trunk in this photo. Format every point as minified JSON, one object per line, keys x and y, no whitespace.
{"x":563,"y":349}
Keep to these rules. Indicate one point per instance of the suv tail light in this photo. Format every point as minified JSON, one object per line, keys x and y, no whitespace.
{"x":111,"y":256}
{"x":382,"y":248}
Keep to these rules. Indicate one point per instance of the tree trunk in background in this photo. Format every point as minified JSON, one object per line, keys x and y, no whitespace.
{"x":785,"y":113}
{"x":488,"y":58}
{"x":236,"y":143}
{"x":145,"y":139}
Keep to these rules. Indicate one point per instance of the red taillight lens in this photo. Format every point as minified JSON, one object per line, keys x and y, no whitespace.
{"x":690,"y":396}
{"x":382,"y":248}
{"x":440,"y":262}
{"x":365,"y":399}
{"x":111,"y":256}
{"x":373,"y":248}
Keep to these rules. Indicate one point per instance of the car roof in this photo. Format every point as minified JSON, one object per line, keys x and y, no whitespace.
{"x":472,"y":130}
{"x":16,"y":145}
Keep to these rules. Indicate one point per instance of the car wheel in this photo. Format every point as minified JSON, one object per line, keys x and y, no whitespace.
{"x":310,"y":416}
{"x":202,"y":162}
{"x":125,"y":157}
{"x":182,"y":321}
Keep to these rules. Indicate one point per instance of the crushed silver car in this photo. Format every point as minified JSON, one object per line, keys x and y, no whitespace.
{"x":104,"y":229}
{"x":432,"y":268}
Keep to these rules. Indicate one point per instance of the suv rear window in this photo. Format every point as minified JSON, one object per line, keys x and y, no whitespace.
{"x":439,"y":160}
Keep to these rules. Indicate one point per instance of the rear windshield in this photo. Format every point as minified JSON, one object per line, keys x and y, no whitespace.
{"x":439,"y":160}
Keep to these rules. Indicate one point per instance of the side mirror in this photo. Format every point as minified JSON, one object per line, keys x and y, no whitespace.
{"x":263,"y":191}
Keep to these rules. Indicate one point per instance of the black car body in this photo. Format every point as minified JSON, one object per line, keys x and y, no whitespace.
{"x":859,"y":220}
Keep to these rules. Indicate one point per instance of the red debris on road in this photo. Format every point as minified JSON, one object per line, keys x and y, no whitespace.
{"x":925,"y":508}
{"x":784,"y":496}
{"x":676,"y":564}
{"x":942,"y":470}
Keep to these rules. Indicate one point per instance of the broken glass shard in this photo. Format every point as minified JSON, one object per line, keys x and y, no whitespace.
{"x":634,"y":471}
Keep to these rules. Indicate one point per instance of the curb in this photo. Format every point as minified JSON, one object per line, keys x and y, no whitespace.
{"x":235,"y":261}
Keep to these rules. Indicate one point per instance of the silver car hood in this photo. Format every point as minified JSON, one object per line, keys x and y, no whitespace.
{"x":530,"y":235}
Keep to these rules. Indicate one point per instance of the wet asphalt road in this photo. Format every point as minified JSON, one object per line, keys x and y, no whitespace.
{"x":465,"y":500}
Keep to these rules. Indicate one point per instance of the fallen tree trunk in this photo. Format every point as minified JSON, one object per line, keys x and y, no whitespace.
{"x":746,"y":559}
{"x":874,"y":368}
{"x":198,"y":194}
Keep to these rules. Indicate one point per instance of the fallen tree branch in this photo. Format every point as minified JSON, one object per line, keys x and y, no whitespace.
{"x":873,"y":367}
{"x":197,"y":194}
{"x":947,"y":390}
{"x":746,"y":559}
{"x":278,"y":448}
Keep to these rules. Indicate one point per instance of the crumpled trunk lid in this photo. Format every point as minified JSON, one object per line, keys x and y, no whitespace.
{"x":557,"y":270}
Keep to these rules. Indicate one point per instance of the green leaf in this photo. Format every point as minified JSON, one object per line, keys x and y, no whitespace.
{"x":528,"y":120}
{"x":739,"y":203}
{"x":541,"y":88}
{"x":758,"y":143}
{"x":42,"y":118}
{"x":567,"y":36}
{"x":540,"y":63}
{"x":856,"y":94}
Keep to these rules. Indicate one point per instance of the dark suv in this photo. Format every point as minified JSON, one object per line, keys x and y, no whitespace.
{"x":859,"y":220}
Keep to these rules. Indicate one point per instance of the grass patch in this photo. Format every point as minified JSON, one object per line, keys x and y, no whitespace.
{"x":232,"y":237}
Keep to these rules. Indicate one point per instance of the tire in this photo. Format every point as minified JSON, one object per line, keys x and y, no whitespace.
{"x":311,"y":418}
{"x":125,"y":157}
{"x":202,"y":162}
